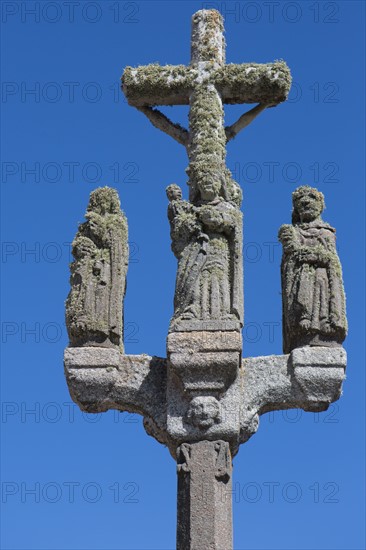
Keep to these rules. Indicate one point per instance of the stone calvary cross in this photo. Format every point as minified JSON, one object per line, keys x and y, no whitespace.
{"x":204,"y":399}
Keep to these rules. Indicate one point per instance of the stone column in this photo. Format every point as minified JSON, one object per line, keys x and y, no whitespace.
{"x":204,"y":496}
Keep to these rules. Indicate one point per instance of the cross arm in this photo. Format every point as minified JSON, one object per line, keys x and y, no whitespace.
{"x":163,"y":123}
{"x":158,"y":85}
{"x":101,"y":379}
{"x":253,"y":83}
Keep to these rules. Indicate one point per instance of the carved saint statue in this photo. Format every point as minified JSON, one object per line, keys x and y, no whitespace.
{"x":312,"y":289}
{"x":206,"y":239}
{"x":94,"y":307}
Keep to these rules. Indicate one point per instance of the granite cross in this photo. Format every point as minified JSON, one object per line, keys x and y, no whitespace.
{"x":205,"y":85}
{"x":204,"y":400}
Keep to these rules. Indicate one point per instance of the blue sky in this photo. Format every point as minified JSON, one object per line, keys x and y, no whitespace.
{"x":99,"y":482}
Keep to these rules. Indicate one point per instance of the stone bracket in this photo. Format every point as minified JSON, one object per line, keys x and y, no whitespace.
{"x":319,"y":372}
{"x":309,"y":378}
{"x":100,"y":379}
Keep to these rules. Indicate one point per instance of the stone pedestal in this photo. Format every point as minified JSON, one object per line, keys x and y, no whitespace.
{"x":205,"y":362}
{"x":319,"y":372}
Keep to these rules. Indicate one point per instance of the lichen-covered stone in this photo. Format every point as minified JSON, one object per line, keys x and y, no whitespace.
{"x":312,"y":288}
{"x":94,"y":314}
{"x":206,"y":240}
{"x":207,"y":39}
{"x":158,"y":85}
{"x":268,"y":83}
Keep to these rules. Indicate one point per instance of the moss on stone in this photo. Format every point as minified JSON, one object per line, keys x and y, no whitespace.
{"x":254,"y":82}
{"x":100,"y":248}
{"x":312,"y":287}
{"x":207,"y":36}
{"x":157,"y":81}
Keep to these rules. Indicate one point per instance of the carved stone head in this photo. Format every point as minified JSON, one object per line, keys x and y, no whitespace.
{"x":204,"y":412}
{"x":104,"y":200}
{"x":308,"y":204}
{"x":174,"y":192}
{"x":210,"y":186}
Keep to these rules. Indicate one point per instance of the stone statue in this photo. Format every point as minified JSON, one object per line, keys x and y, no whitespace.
{"x":206,"y":239}
{"x":312,"y":289}
{"x":94,"y":315}
{"x":189,"y":246}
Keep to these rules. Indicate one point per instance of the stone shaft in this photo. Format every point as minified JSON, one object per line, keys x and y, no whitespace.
{"x":207,"y":141}
{"x":204,"y":496}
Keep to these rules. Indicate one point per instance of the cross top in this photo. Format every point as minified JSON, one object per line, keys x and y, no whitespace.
{"x":208,"y":42}
{"x":206,"y":84}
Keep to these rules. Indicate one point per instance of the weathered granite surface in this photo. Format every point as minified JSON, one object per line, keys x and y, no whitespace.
{"x":94,"y":314}
{"x":314,"y":310}
{"x":204,"y":496}
{"x":204,"y":361}
{"x":309,"y":378}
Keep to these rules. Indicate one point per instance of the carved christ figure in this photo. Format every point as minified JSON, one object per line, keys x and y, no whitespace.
{"x":94,"y":315}
{"x":312,"y":288}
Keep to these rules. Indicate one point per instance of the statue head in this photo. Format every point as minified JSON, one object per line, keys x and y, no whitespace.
{"x":206,"y":181}
{"x":204,"y":412}
{"x":104,"y":200}
{"x":210,"y":185}
{"x":308,"y":204}
{"x":174,"y":192}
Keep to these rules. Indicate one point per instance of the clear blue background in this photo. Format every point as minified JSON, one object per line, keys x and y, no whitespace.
{"x":314,"y":463}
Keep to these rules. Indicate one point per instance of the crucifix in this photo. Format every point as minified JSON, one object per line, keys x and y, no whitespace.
{"x":203,"y":400}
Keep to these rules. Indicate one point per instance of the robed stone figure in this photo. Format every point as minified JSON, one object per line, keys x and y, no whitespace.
{"x":206,"y":239}
{"x":312,"y":289}
{"x":94,"y":309}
